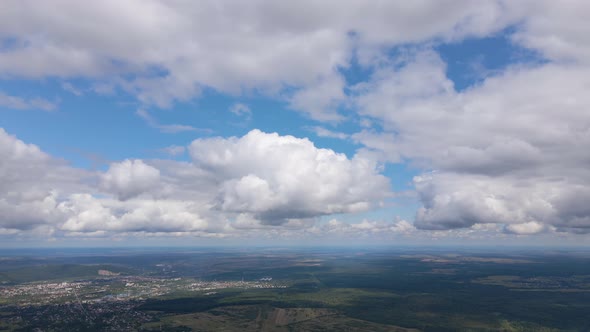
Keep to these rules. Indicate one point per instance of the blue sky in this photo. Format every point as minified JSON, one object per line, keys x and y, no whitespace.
{"x":257,"y":122}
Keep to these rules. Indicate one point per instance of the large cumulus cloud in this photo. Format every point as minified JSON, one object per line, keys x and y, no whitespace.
{"x":130,"y":178}
{"x":31,"y":183}
{"x":266,"y":179}
{"x":85,"y":213}
{"x":280,"y":177}
{"x":511,"y":150}
{"x":40,"y":192}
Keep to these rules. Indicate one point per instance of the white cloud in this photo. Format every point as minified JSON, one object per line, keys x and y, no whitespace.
{"x":367,"y":228}
{"x":40,"y":195}
{"x":130,"y":178}
{"x":19,"y":103}
{"x":510,"y":150}
{"x":174,"y":150}
{"x":225,"y":192}
{"x":69,"y":87}
{"x":104,"y":89}
{"x":88,"y":214}
{"x":31,"y":183}
{"x":321,"y":99}
{"x":531,"y":227}
{"x":281,"y":177}
{"x":241,"y":110}
{"x":557,"y":29}
{"x":323,"y":132}
{"x":165,"y":51}
{"x":164,"y":128}
{"x":462,"y":200}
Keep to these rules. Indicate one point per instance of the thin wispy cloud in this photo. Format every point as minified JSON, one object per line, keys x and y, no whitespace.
{"x":323,"y":132}
{"x":69,"y":87}
{"x":20,"y":103}
{"x":166,"y":128}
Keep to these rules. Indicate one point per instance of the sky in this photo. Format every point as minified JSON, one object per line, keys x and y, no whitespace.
{"x":250,"y":123}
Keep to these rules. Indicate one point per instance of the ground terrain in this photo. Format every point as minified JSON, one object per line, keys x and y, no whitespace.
{"x":336,"y":289}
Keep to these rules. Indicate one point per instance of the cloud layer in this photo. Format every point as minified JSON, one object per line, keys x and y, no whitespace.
{"x":172,"y":50}
{"x":510,"y":150}
{"x":267,"y":178}
{"x":506,"y":155}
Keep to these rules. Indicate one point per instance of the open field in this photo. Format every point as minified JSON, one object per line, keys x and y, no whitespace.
{"x":261,"y":318}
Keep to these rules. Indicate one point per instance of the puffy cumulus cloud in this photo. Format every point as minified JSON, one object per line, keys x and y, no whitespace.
{"x":531,"y":227}
{"x":130,"y":178}
{"x":29,"y":179}
{"x":282,"y":177}
{"x":212,"y":197}
{"x":510,"y":150}
{"x":41,"y":196}
{"x":28,"y":213}
{"x":459,"y":200}
{"x":86,"y":214}
{"x":259,"y":185}
{"x":174,"y":49}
